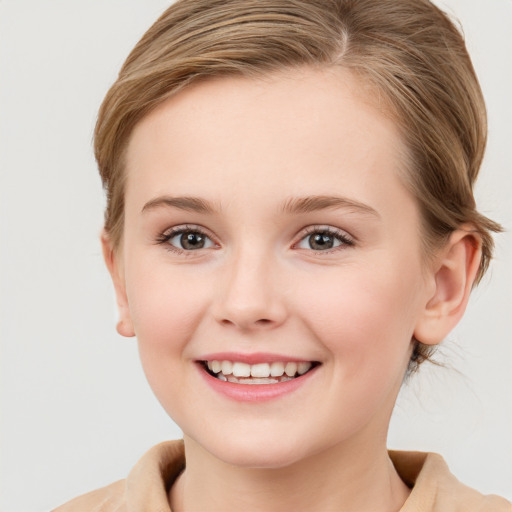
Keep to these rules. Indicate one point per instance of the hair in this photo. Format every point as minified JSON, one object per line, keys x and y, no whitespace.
{"x":407,"y":50}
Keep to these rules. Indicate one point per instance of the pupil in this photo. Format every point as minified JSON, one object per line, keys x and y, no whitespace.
{"x":192,"y":241}
{"x":320,"y":241}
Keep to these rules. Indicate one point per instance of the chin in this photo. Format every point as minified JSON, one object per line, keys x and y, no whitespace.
{"x":257,"y":457}
{"x":249,"y":450}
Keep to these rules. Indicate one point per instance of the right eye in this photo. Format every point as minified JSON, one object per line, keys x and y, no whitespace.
{"x":186,"y":239}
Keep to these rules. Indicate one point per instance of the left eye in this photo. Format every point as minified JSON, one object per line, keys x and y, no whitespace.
{"x":189,"y":240}
{"x":323,"y":240}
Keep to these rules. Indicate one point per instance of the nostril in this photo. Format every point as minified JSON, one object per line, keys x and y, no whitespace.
{"x":262,"y":322}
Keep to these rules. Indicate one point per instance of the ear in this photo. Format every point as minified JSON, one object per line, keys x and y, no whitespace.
{"x":112,"y":261}
{"x":453,"y":276}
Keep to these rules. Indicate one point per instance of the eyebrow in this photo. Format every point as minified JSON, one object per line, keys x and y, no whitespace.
{"x":293,"y":205}
{"x":190,"y":204}
{"x":316,"y":203}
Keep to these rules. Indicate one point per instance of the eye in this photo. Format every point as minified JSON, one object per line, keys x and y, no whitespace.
{"x":186,"y":239}
{"x":322,"y":239}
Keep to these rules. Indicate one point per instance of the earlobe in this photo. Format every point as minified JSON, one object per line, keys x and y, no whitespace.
{"x":453,"y":276}
{"x":124,"y":325}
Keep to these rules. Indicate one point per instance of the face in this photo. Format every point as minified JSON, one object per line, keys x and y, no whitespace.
{"x":267,"y":231}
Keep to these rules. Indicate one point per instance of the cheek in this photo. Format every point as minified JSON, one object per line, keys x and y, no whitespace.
{"x":365,"y":318}
{"x":366,"y":323}
{"x":165,"y":310}
{"x":165,"y":313}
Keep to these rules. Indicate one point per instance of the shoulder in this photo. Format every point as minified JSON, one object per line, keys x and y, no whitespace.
{"x":145,"y":488}
{"x":436,"y":489}
{"x":106,"y":499}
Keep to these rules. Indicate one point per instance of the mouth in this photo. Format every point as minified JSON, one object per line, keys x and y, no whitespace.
{"x":275,"y":372}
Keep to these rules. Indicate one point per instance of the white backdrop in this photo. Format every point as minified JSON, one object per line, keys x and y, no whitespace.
{"x":76,"y":411}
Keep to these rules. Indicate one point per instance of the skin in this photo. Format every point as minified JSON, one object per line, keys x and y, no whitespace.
{"x":248,"y":147}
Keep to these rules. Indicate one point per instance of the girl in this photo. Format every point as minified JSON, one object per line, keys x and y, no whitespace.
{"x":290,"y":231}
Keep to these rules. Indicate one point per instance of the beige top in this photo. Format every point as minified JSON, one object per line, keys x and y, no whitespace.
{"x":434,"y":488}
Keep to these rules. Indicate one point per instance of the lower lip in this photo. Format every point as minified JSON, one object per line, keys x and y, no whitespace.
{"x":255,"y":392}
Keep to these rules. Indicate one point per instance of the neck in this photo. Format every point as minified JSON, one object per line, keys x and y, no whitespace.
{"x":355,"y":478}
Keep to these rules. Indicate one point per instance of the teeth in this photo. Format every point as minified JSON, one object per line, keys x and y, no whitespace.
{"x":260,"y":373}
{"x":260,"y":370}
{"x":241,"y":370}
{"x":276,"y":369}
{"x":290,"y":369}
{"x":302,"y":368}
{"x":262,"y":381}
{"x":226,"y":367}
{"x":252,"y":380}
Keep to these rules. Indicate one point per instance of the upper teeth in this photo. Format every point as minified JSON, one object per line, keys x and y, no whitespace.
{"x":276,"y":369}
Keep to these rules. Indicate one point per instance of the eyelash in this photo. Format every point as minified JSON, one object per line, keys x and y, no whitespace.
{"x":344,"y":239}
{"x":166,"y":236}
{"x":337,"y":234}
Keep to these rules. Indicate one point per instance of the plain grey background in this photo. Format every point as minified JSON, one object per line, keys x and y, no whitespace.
{"x":76,"y":411}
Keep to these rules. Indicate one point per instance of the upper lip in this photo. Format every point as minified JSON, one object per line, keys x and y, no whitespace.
{"x":254,"y":358}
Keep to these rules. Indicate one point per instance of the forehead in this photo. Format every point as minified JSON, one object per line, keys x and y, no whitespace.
{"x":304,"y":131}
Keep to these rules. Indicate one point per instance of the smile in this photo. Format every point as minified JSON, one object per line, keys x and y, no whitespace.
{"x":261,"y":373}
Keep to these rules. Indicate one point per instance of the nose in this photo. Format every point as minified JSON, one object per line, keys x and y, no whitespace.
{"x":250,"y":296}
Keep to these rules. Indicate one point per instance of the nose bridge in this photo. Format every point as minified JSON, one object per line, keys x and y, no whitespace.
{"x":250,"y":296}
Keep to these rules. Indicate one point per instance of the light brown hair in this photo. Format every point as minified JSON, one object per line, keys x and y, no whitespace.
{"x":407,"y":50}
